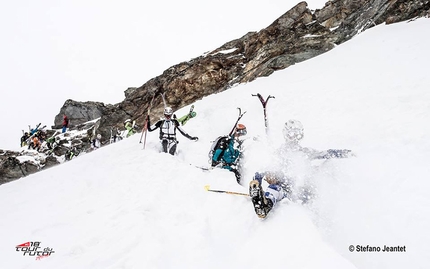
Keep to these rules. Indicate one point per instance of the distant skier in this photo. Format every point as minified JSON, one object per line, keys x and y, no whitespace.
{"x":24,"y":139}
{"x":293,"y":132}
{"x":96,"y":142}
{"x":278,"y":189}
{"x":65,"y":123}
{"x":130,"y":127}
{"x":227,"y":152}
{"x":168,"y":127}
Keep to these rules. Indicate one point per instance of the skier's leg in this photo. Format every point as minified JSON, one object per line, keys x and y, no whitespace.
{"x":172,"y":149}
{"x":164,"y":143}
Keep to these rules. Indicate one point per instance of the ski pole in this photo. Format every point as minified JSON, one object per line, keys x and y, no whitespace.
{"x":264,"y":104}
{"x":146,"y":120}
{"x":207,"y":187}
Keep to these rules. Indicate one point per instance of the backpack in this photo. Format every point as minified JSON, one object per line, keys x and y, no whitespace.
{"x":221,"y":142}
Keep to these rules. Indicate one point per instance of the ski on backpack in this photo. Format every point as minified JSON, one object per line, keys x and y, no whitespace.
{"x":264,"y":104}
{"x":164,"y":99}
{"x":191,"y":114}
{"x":221,"y":142}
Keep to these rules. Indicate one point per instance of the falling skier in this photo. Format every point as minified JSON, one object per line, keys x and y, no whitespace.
{"x":168,"y":127}
{"x":278,"y":189}
{"x":293,"y":132}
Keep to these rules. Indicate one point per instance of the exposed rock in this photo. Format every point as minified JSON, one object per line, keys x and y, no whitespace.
{"x":296,"y":36}
{"x":80,"y":112}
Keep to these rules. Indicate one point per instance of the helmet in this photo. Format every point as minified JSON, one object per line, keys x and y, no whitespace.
{"x":99,"y":136}
{"x":168,"y":111}
{"x":241,"y":129}
{"x":127,"y":120}
{"x":293,"y":130}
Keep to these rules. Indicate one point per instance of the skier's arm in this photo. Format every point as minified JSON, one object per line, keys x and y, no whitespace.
{"x":183,"y":132}
{"x":155,"y":126}
{"x":334,"y":153}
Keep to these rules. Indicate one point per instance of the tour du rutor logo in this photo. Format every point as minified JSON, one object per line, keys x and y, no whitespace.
{"x":35,"y":250}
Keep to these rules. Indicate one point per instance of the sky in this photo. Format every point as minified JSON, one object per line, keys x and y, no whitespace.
{"x":52,"y":51}
{"x":123,"y":206}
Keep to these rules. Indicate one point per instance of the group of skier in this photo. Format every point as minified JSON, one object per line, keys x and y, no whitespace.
{"x":226,"y":152}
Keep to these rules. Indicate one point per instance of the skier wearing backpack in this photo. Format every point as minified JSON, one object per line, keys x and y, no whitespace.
{"x":168,"y":127}
{"x":227,"y":151}
{"x":130,"y":127}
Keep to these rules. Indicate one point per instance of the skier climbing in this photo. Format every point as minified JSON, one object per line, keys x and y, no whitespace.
{"x":130,"y":127}
{"x":168,"y":127}
{"x":227,"y":152}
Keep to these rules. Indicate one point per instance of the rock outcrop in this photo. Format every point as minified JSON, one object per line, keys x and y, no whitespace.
{"x":296,"y":36}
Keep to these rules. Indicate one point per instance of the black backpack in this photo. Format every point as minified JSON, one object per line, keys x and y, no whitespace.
{"x":221,"y":142}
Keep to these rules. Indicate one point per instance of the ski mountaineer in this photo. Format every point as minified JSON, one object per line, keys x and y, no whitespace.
{"x":228,"y":157}
{"x":24,"y":139}
{"x":65,"y":124}
{"x":293,"y":132}
{"x":278,"y":189}
{"x":168,"y":127}
{"x":130,"y":127}
{"x":96,"y":142}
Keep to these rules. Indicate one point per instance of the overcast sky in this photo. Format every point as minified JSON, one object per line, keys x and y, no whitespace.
{"x":54,"y":50}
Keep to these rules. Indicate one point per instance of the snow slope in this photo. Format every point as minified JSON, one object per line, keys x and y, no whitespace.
{"x":124,"y":207}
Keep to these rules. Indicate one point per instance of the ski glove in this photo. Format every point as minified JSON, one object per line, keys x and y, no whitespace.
{"x":195,"y":138}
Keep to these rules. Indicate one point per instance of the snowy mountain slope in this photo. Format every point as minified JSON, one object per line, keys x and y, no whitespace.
{"x":124,"y":207}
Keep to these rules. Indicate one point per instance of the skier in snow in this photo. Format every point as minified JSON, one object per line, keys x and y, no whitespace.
{"x":293,"y":132}
{"x":168,"y":127}
{"x":24,"y":139}
{"x":96,"y":142}
{"x":228,"y":157}
{"x":65,"y":123}
{"x":278,"y":189}
{"x":130,"y":127}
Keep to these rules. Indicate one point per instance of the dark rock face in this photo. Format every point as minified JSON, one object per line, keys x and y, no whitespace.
{"x":296,"y":36}
{"x":80,"y":112}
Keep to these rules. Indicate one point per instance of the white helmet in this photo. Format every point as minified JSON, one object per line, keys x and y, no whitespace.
{"x":127,"y":120}
{"x":99,"y":136}
{"x":293,"y":131}
{"x":168,"y":111}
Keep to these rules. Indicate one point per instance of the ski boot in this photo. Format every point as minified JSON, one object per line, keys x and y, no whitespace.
{"x":261,"y":204}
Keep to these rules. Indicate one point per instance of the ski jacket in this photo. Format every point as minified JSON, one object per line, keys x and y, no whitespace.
{"x":65,"y":122}
{"x":168,"y":129}
{"x":229,"y":155}
{"x":130,"y":128}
